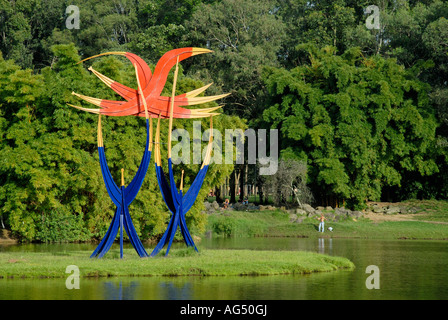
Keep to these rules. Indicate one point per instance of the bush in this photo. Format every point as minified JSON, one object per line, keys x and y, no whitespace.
{"x":61,"y":227}
{"x":224,"y":226}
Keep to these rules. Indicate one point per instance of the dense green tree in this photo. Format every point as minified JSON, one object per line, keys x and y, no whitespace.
{"x":149,"y":28}
{"x":340,"y":24}
{"x":161,"y":26}
{"x":361,"y":123}
{"x":165,"y":12}
{"x":24,"y":27}
{"x":15,"y":32}
{"x":245,"y":36}
{"x":416,"y":35}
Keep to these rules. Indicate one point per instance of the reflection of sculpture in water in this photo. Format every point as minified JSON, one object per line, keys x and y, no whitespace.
{"x":171,"y":291}
{"x":127,"y":292}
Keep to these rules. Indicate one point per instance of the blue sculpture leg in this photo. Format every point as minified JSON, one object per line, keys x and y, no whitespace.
{"x":176,"y":220}
{"x":111,"y":238}
{"x":173,"y":231}
{"x":121,"y":236}
{"x":132,"y":234}
{"x":186,"y":233}
{"x":111,"y":233}
{"x":162,"y":241}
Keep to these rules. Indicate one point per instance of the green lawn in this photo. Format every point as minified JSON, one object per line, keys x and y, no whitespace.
{"x":430,"y":210}
{"x":277,"y":224}
{"x":180,"y":262}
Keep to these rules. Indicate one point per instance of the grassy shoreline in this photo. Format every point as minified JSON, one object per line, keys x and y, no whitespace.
{"x":431,"y":223}
{"x":180,"y":262}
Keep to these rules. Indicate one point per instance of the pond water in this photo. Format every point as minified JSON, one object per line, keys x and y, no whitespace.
{"x":407,"y":269}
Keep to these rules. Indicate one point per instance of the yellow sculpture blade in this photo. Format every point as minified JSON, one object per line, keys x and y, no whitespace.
{"x":108,"y":81}
{"x":92,"y":100}
{"x":198,"y":91}
{"x":96,"y":111}
{"x":200,"y":100}
{"x":120,"y":53}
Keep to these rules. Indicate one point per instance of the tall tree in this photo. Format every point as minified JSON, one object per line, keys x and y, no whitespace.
{"x":245,"y":35}
{"x":361,"y":123}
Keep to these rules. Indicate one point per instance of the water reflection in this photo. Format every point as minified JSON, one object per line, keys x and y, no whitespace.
{"x":112,"y":291}
{"x":322,"y":246}
{"x":170,"y":291}
{"x":159,"y":288}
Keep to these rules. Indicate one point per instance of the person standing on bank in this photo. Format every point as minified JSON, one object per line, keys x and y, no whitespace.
{"x":322,"y":223}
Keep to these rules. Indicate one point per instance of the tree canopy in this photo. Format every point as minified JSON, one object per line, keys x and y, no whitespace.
{"x":360,"y":123}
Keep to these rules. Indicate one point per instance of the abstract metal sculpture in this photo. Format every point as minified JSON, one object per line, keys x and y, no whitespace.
{"x":178,"y":203}
{"x":122,"y":197}
{"x":148,"y":92}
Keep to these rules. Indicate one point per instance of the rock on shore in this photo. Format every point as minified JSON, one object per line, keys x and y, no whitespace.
{"x":296,"y":215}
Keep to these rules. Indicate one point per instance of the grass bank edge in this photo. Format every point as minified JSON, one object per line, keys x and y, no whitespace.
{"x":181,"y":262}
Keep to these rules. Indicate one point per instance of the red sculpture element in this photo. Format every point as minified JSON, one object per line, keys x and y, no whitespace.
{"x":152,"y":86}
